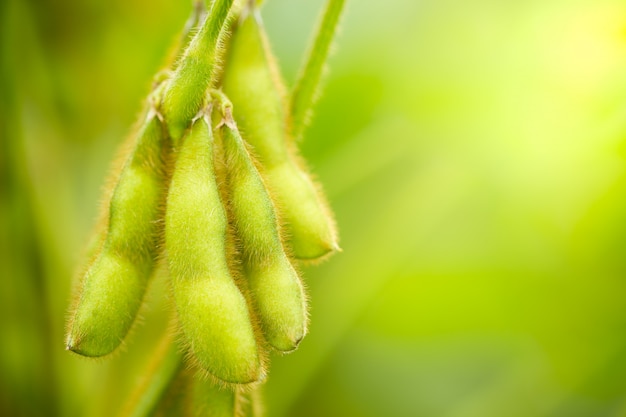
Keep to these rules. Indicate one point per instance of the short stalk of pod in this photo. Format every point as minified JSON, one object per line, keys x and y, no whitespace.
{"x":252,"y":83}
{"x":114,"y":283}
{"x":212,"y":312}
{"x":275,"y":287}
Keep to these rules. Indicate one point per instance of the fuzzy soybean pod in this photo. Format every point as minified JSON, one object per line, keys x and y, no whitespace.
{"x":114,"y":283}
{"x":212,"y":312}
{"x":275,"y":287}
{"x":252,"y":83}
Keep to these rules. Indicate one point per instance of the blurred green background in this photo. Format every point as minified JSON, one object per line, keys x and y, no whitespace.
{"x":473,"y":152}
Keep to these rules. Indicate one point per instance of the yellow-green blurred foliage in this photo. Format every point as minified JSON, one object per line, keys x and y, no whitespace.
{"x":473,"y":152}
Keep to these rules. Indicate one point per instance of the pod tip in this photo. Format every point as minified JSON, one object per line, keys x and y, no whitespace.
{"x":70,"y":344}
{"x":297,"y":342}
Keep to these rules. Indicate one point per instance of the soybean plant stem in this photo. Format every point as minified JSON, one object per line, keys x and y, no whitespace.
{"x":186,"y":90}
{"x":215,"y":21}
{"x":162,"y":370}
{"x":198,"y":13}
{"x":306,"y":89}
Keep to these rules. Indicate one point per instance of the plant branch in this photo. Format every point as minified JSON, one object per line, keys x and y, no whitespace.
{"x":198,"y":13}
{"x":185,"y":93}
{"x":306,"y":90}
{"x":161,"y":372}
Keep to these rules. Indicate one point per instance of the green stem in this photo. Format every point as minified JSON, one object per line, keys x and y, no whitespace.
{"x":307,"y":87}
{"x":185,"y":93}
{"x":161,"y":372}
{"x":224,"y":103}
{"x":198,"y":13}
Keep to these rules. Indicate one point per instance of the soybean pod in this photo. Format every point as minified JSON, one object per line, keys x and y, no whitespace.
{"x":252,"y":83}
{"x":275,"y":287}
{"x":114,"y":283}
{"x":212,"y":312}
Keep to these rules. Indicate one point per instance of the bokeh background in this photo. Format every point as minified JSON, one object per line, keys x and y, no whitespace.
{"x":474,"y":154}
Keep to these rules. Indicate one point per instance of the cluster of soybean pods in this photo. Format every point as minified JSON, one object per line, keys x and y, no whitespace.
{"x":212,"y":184}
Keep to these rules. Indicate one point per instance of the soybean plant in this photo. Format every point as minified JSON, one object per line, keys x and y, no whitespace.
{"x":214,"y":185}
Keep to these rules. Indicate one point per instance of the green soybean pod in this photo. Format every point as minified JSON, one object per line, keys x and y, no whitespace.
{"x":275,"y":287}
{"x":114,"y":283}
{"x":251,"y":82}
{"x":212,"y":312}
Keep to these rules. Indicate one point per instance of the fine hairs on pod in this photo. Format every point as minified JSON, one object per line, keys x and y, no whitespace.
{"x":124,"y":251}
{"x":212,"y":312}
{"x":252,"y":83}
{"x":275,"y":287}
